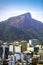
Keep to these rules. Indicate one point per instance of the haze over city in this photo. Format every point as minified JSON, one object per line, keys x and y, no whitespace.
{"x":10,"y":8}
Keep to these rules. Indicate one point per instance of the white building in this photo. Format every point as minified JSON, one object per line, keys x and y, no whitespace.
{"x":17,"y":49}
{"x":30,"y":48}
{"x":11,"y":48}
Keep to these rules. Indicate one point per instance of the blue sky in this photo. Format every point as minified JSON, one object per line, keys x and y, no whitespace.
{"x":9,"y":8}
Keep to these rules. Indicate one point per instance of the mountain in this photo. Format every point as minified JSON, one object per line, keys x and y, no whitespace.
{"x":21,"y":27}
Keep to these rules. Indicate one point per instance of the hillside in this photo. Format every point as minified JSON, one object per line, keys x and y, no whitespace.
{"x":21,"y":27}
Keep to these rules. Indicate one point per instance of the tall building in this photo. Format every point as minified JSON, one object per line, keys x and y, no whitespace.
{"x":5,"y":50}
{"x":1,"y":50}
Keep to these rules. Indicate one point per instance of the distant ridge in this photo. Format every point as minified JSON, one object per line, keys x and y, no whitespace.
{"x":21,"y":27}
